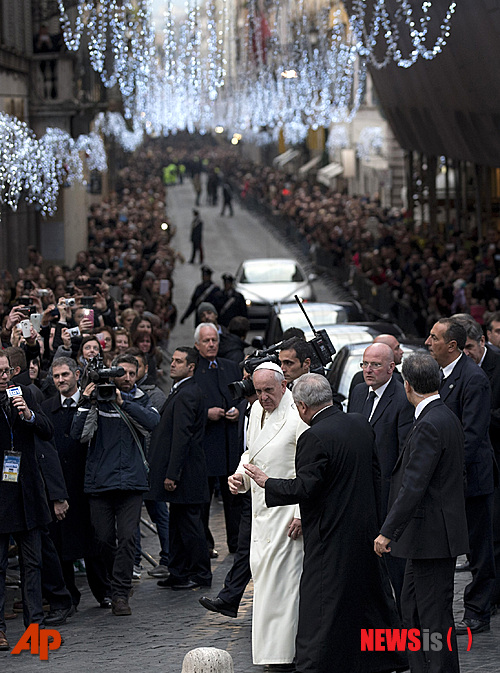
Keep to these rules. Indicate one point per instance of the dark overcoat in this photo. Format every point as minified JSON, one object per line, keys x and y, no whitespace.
{"x":222,"y":449}
{"x":426,"y":518}
{"x":23,"y":505}
{"x":466,"y":391}
{"x":176,"y":449}
{"x":391,"y":421}
{"x":72,"y":535}
{"x":344,"y":587}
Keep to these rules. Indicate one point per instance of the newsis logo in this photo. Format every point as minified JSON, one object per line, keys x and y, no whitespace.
{"x":391,"y":640}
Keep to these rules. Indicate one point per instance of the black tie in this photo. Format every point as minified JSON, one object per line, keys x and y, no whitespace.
{"x":441,"y":378}
{"x":68,"y":402}
{"x":368,"y":405}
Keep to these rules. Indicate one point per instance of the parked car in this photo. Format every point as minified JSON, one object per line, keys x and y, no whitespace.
{"x":320,"y":314}
{"x":346,"y":364}
{"x":265,"y":282}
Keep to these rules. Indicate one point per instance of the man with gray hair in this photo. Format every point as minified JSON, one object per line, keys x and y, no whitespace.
{"x":343,"y":588}
{"x":427,"y":523}
{"x":276,"y":543}
{"x":220,"y":442}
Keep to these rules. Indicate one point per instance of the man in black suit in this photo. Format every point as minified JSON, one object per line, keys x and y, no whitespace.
{"x":426,"y":523}
{"x":73,"y":536}
{"x":23,"y":504}
{"x":391,"y":416}
{"x":395,"y":346}
{"x":493,"y":331}
{"x":222,"y":449}
{"x":178,"y":474}
{"x":343,"y":588}
{"x":465,"y":390}
{"x":489,"y":361}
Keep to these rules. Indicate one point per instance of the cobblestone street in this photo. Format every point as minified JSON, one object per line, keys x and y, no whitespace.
{"x":166,"y":624}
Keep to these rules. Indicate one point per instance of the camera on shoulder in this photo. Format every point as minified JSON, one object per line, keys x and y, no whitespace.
{"x":101,"y":376}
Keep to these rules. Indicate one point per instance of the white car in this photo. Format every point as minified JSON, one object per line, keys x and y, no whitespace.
{"x":265,"y":282}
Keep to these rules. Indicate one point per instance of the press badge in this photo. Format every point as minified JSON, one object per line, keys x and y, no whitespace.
{"x":11,"y":465}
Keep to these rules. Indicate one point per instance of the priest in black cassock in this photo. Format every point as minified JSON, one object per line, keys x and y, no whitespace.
{"x":344,"y":587}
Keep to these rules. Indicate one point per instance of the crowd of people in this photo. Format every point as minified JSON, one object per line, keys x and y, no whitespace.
{"x":90,"y":433}
{"x":433,"y":276}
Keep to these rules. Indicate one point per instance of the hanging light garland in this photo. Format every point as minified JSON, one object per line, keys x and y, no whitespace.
{"x":370,"y":142}
{"x":382,"y":33}
{"x":37,"y":168}
{"x":300,"y":64}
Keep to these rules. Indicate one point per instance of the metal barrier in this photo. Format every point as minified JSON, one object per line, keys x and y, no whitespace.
{"x":377,"y":300}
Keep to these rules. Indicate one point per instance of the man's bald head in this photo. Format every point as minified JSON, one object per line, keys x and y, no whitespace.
{"x":378,"y":364}
{"x":393,"y":344}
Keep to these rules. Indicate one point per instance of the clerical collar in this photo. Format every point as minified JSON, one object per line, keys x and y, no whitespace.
{"x":318,"y":412}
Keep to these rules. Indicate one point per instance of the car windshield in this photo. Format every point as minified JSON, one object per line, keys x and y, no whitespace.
{"x":274,"y":272}
{"x":318,"y":316}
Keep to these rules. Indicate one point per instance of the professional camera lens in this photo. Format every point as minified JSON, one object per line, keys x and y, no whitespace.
{"x":240,"y":389}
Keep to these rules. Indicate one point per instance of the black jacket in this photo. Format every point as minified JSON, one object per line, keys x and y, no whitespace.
{"x":426,"y":505}
{"x":23,"y":505}
{"x":176,"y":450}
{"x":467,"y":393}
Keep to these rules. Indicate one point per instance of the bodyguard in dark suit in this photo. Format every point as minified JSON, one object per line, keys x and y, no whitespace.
{"x":23,"y":503}
{"x":465,"y":390}
{"x":344,"y":587}
{"x":391,"y":416}
{"x":489,"y":361}
{"x":222,"y":449}
{"x":426,"y":523}
{"x":73,"y":536}
{"x":178,"y":474}
{"x":395,"y":346}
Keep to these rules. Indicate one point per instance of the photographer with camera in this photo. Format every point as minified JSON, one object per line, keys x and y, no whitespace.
{"x":114,"y":418}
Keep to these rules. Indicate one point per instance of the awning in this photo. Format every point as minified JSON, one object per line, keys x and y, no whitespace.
{"x":285,"y":158}
{"x":304,"y":170}
{"x":327,"y":174}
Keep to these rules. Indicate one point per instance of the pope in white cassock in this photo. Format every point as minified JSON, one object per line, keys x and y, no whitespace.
{"x":276,"y":548}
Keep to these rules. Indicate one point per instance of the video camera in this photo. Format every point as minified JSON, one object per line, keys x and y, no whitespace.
{"x":96,"y":373}
{"x":322,"y":347}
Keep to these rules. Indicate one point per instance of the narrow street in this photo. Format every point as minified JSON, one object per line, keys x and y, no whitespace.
{"x":166,"y":624}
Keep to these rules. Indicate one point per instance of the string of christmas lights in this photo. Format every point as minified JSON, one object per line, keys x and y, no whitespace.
{"x":297,"y":64}
{"x":37,"y":168}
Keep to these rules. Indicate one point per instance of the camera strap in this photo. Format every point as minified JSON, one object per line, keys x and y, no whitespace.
{"x":125,"y":417}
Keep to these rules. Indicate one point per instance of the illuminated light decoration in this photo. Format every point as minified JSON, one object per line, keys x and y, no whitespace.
{"x":112,"y":124}
{"x":370,"y":142}
{"x":37,"y":168}
{"x":121,"y":42}
{"x":382,"y":33}
{"x":300,"y":64}
{"x":338,"y":138}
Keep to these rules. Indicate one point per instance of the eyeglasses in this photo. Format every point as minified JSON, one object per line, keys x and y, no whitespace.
{"x":6,"y":372}
{"x":373,"y":365}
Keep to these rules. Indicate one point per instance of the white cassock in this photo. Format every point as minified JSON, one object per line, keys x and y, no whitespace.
{"x":275,"y":559}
